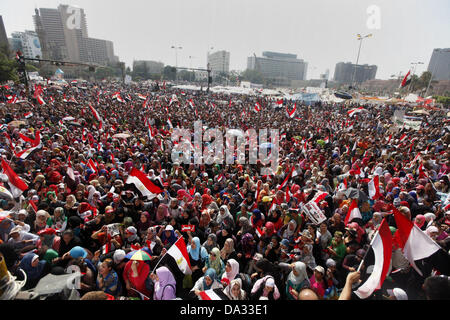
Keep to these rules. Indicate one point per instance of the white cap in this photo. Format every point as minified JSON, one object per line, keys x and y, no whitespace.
{"x":270,"y":283}
{"x":168,"y":228}
{"x":320,"y":269}
{"x":118,"y":256}
{"x":398,"y":293}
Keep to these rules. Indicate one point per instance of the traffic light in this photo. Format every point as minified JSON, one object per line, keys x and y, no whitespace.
{"x":21,"y":68}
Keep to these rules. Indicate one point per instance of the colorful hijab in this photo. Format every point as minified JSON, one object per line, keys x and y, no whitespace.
{"x":165,"y":278}
{"x":199,"y":251}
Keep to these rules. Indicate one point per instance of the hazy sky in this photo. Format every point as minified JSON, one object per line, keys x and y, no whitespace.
{"x":322,"y":32}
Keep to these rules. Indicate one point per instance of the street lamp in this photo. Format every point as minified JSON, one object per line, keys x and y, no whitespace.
{"x":360,"y":39}
{"x":176,"y":54}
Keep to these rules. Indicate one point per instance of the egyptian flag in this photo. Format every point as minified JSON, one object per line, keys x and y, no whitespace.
{"x":382,"y":249}
{"x":95,"y":113}
{"x":415,"y":243}
{"x":33,"y":205}
{"x":40,"y":100}
{"x":141,"y":96}
{"x":169,"y":123}
{"x":406,"y":80}
{"x":292,"y":112}
{"x":422,"y":173}
{"x":92,"y":165}
{"x":257,"y":107}
{"x":84,"y":135}
{"x":191,"y":104}
{"x":279,"y":102}
{"x":151,"y":132}
{"x":143,"y":183}
{"x":69,"y":171}
{"x":17,"y":185}
{"x":353,"y":212}
{"x":284,"y":184}
{"x":11,"y":99}
{"x":179,"y":252}
{"x":35,"y":144}
{"x":402,"y":138}
{"x":374,"y":188}
{"x":353,"y":111}
{"x":319,"y":196}
{"x":213,"y":294}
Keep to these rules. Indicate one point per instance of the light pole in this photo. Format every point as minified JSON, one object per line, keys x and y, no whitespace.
{"x":360,"y":39}
{"x":176,"y":54}
{"x":414,"y":64}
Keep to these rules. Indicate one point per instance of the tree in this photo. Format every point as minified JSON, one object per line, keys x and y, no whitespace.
{"x":252,"y":76}
{"x":8,"y":67}
{"x":169,"y":72}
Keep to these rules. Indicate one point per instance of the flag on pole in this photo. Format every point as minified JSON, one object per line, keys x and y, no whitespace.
{"x":179,"y":252}
{"x":353,"y":111}
{"x":213,"y":294}
{"x":95,"y":113}
{"x":143,"y":183}
{"x":406,"y":80}
{"x":415,"y":243}
{"x":257,"y":107}
{"x":17,"y":185}
{"x":374,"y":188}
{"x":292,"y":112}
{"x":353,"y":212}
{"x":284,"y":184}
{"x":382,"y":248}
{"x":40,"y":100}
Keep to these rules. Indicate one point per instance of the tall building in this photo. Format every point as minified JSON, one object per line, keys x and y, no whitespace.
{"x":63,"y":34}
{"x":347,"y":72}
{"x":281,"y":68}
{"x":219,"y":62}
{"x":439,"y":64}
{"x":3,"y":36}
{"x":27,"y":42}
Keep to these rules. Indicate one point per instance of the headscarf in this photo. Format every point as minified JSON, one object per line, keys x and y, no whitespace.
{"x":213,"y":237}
{"x":165,"y":278}
{"x":419,"y":220}
{"x":289,"y":233}
{"x":216,"y":264}
{"x":429,"y":217}
{"x":144,"y":225}
{"x":229,"y":292}
{"x":431,"y":229}
{"x":199,"y":251}
{"x":220,"y":218}
{"x":162,"y":214}
{"x":210,"y":273}
{"x":183,"y":193}
{"x":245,"y":225}
{"x":206,"y":201}
{"x":300,"y":268}
{"x":32,"y":272}
{"x":234,"y":270}
{"x":270,"y":228}
{"x":247,"y":248}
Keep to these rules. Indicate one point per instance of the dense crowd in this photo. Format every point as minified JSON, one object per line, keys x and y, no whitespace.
{"x":249,"y":236}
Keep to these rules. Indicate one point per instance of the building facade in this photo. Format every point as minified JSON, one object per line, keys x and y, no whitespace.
{"x":27,"y":42}
{"x":439,"y":64}
{"x":219,"y":62}
{"x":347,"y":72}
{"x":63,"y":35}
{"x":3,"y":36}
{"x":280,"y":68}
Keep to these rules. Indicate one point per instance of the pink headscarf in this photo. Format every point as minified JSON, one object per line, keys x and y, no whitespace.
{"x":420,"y":220}
{"x":162,"y":212}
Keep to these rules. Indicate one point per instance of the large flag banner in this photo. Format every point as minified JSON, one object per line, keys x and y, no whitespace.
{"x":406,"y":80}
{"x":143,"y":183}
{"x":352,"y":112}
{"x":353,"y":212}
{"x":17,"y":185}
{"x":213,"y":294}
{"x":374,"y":188}
{"x":179,"y":252}
{"x":382,"y":248}
{"x":415,"y":243}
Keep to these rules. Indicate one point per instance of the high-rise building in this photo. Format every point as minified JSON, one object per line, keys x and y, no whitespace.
{"x":63,"y":35}
{"x":439,"y":64}
{"x":281,"y":68}
{"x":347,"y":72}
{"x":219,"y":62}
{"x":27,"y":42}
{"x":3,"y":36}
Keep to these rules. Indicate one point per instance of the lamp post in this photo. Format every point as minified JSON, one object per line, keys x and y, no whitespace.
{"x":176,"y":54}
{"x":360,"y":39}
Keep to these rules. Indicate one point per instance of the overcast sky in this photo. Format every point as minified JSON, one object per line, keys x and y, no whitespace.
{"x":322,"y":32}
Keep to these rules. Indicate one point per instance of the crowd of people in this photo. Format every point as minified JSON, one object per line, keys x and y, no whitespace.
{"x":249,"y":237}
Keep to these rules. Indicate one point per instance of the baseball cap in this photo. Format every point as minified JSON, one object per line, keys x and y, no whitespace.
{"x":77,"y":252}
{"x":320,"y":269}
{"x":398,"y":293}
{"x":118,"y":256}
{"x":168,"y":228}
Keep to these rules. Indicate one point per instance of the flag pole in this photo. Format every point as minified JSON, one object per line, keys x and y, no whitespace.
{"x":165,"y":255}
{"x":370,"y":246}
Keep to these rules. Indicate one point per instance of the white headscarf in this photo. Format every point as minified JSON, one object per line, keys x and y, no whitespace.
{"x":229,"y":292}
{"x":300,"y":268}
{"x":221,"y":217}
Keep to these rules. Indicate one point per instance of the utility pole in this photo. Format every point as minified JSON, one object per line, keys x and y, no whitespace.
{"x":360,"y":39}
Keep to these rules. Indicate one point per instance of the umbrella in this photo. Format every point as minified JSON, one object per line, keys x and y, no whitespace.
{"x":4,"y":193}
{"x":17,"y":123}
{"x":121,"y":135}
{"x":343,"y":95}
{"x":141,"y":255}
{"x":130,"y":254}
{"x":354,"y":193}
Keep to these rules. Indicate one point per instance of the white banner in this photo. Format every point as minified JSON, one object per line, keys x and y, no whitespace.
{"x":314,"y":213}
